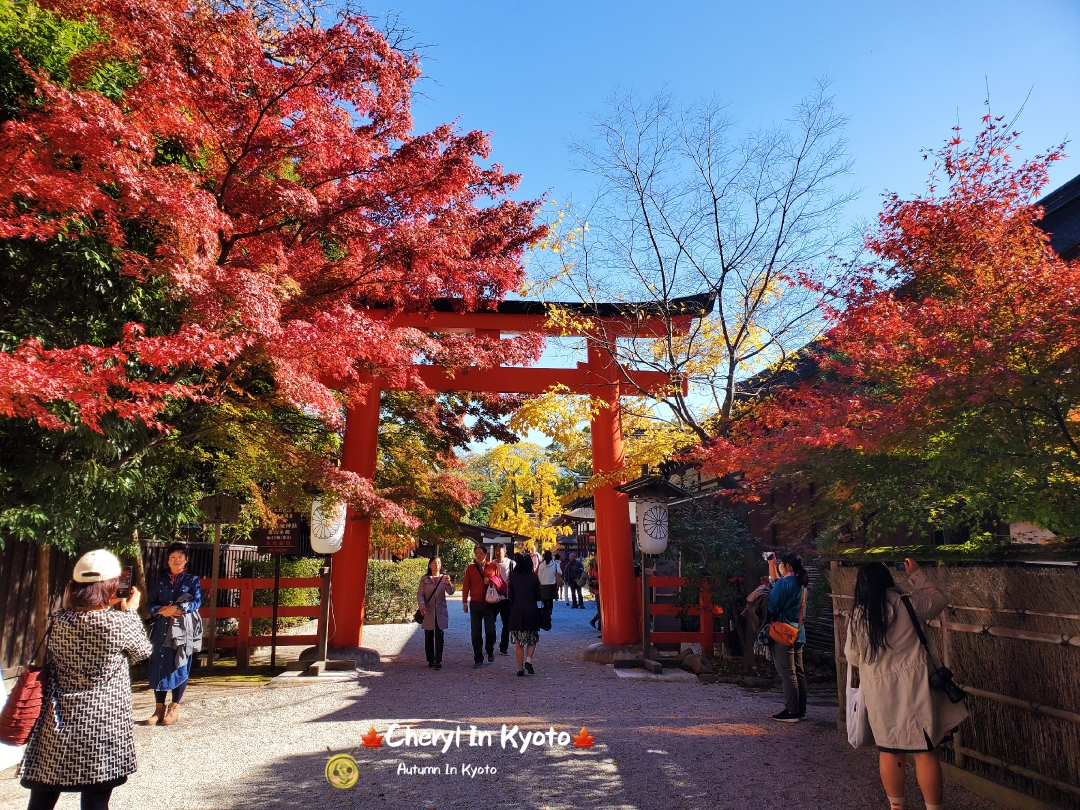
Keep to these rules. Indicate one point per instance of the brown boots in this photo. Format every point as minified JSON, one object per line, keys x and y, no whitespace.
{"x":172,"y":714}
{"x":161,"y":716}
{"x":157,"y":718}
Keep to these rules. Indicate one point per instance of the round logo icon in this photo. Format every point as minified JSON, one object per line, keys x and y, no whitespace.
{"x":342,"y":771}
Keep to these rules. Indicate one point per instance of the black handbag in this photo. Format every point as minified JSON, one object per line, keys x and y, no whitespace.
{"x":941,"y":678}
{"x":545,"y":619}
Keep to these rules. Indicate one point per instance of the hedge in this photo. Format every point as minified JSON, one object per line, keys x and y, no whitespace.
{"x":391,"y":589}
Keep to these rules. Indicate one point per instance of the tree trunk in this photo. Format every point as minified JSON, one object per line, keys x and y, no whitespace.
{"x":138,"y":573}
{"x":41,"y":595}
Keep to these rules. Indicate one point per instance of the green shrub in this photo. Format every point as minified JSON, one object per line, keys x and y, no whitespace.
{"x":391,"y":589}
{"x":304,"y":567}
{"x":457,"y":555}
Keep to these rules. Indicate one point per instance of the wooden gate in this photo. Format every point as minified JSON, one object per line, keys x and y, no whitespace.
{"x":704,"y":609}
{"x":243,"y":641}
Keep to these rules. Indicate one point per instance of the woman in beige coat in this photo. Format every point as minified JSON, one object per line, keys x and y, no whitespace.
{"x":906,"y":715}
{"x":431,"y":595}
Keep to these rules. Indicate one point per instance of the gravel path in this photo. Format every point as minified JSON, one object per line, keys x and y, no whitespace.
{"x":657,"y":745}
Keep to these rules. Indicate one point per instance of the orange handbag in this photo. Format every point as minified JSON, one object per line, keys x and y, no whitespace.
{"x":784,"y":633}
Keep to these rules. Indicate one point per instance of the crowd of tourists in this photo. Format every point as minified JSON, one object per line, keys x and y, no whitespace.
{"x":82,"y":740}
{"x":507,"y":600}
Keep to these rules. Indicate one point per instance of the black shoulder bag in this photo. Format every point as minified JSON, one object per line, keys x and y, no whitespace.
{"x":940,"y":677}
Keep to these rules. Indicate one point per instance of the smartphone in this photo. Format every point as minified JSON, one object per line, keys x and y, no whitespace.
{"x":124,"y":589}
{"x":900,"y":566}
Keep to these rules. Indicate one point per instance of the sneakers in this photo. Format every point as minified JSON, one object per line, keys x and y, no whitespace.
{"x":478,"y":664}
{"x":491,"y":658}
{"x":787,"y":717}
{"x":438,"y":666}
{"x":504,"y":652}
{"x":529,"y":668}
{"x":521,"y":673}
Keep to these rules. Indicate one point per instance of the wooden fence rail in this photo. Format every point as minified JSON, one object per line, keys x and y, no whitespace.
{"x":704,"y":609}
{"x":243,"y":641}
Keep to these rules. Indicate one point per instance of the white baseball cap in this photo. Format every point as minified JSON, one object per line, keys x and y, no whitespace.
{"x":96,"y":566}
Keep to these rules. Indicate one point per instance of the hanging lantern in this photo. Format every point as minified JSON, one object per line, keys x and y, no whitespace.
{"x":327,"y":526}
{"x":652,"y":526}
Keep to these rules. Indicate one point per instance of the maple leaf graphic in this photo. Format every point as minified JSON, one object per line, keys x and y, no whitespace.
{"x":371,"y":739}
{"x":584,"y":739}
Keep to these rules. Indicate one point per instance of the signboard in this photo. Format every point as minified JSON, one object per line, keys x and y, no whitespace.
{"x":220,"y":509}
{"x":285,"y":539}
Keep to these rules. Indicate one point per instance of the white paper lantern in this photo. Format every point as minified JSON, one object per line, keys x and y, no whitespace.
{"x":652,"y":526}
{"x":327,"y":526}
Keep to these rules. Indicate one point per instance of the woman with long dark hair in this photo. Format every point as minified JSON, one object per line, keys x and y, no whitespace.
{"x":906,"y":715}
{"x":787,"y":604}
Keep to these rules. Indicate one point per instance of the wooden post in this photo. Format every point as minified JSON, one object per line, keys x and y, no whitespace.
{"x":646,"y":602}
{"x":324,"y":607}
{"x":273,"y":620}
{"x":841,"y":688}
{"x":41,"y":596}
{"x":214,"y":596}
{"x":243,"y":630}
{"x":946,"y":659}
{"x":705,"y":601}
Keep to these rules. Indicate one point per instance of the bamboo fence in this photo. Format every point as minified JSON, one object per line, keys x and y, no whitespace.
{"x":1011,"y":635}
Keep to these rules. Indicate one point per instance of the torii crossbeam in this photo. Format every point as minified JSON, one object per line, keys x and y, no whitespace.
{"x":599,"y":377}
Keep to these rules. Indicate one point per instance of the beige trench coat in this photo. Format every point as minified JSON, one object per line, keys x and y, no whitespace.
{"x":899,"y":701}
{"x":431,"y":596}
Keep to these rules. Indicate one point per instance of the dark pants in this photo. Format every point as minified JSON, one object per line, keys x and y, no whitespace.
{"x":575,"y":595}
{"x":94,"y":797}
{"x":789,"y":665}
{"x":502,"y":610}
{"x":598,"y":618}
{"x":481,"y":616}
{"x":177,"y":693}
{"x":433,"y":641}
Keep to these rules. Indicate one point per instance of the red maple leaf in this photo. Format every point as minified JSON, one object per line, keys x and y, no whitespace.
{"x":583,"y":739}
{"x":371,"y":739}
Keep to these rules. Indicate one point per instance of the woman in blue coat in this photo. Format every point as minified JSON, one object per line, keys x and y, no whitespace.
{"x":172,"y":595}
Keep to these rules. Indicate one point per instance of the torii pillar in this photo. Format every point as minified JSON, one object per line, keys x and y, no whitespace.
{"x":619,"y":594}
{"x":348,"y":577}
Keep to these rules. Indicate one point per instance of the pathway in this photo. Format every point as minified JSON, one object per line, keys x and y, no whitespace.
{"x":657,"y":745}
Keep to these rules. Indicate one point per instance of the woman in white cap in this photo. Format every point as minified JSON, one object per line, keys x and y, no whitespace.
{"x":82,"y":741}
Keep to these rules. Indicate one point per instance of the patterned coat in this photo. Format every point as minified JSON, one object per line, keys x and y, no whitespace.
{"x":83,"y":736}
{"x":162,"y":671}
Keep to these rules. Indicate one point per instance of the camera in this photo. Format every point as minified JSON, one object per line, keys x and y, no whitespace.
{"x":942,"y":678}
{"x":768,"y":555}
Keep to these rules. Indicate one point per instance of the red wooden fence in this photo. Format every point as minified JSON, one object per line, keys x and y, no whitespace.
{"x":704,"y":609}
{"x":243,"y":641}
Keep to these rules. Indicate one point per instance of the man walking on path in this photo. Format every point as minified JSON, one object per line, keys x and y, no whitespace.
{"x":482,"y":616}
{"x":502,"y":609}
{"x":574,"y":569}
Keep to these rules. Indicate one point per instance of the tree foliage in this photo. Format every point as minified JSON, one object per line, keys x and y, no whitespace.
{"x":207,"y":226}
{"x":948,"y":391}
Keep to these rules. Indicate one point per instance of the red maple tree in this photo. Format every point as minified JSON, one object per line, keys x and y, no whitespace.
{"x":964,"y":331}
{"x":292,"y":211}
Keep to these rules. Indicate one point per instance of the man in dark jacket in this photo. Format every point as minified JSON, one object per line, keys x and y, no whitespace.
{"x":482,"y":615}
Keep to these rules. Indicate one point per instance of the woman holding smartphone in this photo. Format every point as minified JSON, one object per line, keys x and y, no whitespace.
{"x":174,"y":602}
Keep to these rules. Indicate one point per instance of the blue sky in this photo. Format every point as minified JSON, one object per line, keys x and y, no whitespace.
{"x":534,"y":75}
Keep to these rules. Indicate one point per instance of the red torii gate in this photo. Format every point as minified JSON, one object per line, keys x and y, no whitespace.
{"x":600,"y":377}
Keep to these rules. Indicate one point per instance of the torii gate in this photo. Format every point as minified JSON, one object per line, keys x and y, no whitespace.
{"x":600,"y":377}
